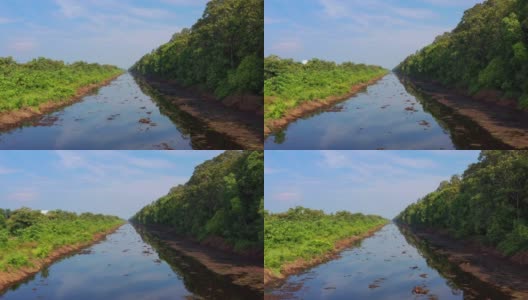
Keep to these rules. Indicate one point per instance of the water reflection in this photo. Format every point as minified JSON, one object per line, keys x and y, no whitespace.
{"x":389,"y":265}
{"x":390,"y":114}
{"x":127,"y":265}
{"x":196,"y":277}
{"x":126,"y":114}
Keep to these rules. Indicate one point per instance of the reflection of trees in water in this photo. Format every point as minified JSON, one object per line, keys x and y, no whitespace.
{"x":463,"y":131}
{"x":197,"y":278}
{"x":460,"y":282}
{"x":190,"y":127}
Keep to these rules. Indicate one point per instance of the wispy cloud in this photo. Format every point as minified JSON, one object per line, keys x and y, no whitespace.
{"x":22,"y":196}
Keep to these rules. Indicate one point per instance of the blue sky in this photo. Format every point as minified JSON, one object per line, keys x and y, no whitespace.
{"x":381,"y":32}
{"x":116,"y":32}
{"x":372,"y":182}
{"x":111,"y":182}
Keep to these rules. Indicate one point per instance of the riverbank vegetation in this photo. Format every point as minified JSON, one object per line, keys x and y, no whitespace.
{"x":222,"y":53}
{"x":489,"y":203}
{"x":44,"y":80}
{"x":303,"y":234}
{"x":288,"y":83}
{"x":26,"y":235}
{"x":488,"y":50}
{"x":223,"y":199}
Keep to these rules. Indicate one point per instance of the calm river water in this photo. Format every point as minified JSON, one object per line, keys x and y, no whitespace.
{"x":390,"y":114}
{"x":127,"y":265}
{"x":388,"y":265}
{"x":109,"y":119}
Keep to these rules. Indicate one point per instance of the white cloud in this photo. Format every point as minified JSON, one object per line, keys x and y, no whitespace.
{"x":22,"y":45}
{"x":22,"y":196}
{"x":290,"y":197}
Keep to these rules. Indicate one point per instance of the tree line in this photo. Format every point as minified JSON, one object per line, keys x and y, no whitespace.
{"x":222,"y":53}
{"x":489,"y":202}
{"x":223,"y":198}
{"x":487,"y":50}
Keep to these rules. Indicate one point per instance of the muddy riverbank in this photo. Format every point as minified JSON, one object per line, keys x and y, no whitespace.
{"x":239,"y":118}
{"x":499,"y":117}
{"x":484,"y":263}
{"x":243,"y":270}
{"x":272,"y":279}
{"x":16,"y":118}
{"x":309,"y":107}
{"x":12,"y":277}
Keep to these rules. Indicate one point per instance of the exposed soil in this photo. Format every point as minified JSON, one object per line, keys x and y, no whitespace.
{"x":309,"y":107}
{"x":272,"y":280}
{"x":509,"y":274}
{"x":15,"y":118}
{"x":14,"y":276}
{"x":500,"y":117}
{"x":237,"y":117}
{"x":244,"y":270}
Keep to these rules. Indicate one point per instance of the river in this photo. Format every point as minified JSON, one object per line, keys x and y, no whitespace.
{"x":390,"y":114}
{"x":127,"y":265}
{"x":388,"y":265}
{"x":109,"y":118}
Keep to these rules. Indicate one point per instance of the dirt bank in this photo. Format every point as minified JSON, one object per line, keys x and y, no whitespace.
{"x":242,"y":270}
{"x":15,"y":118}
{"x":309,"y":107}
{"x":271,"y":279}
{"x":237,"y":117}
{"x":14,"y":276}
{"x":508,"y":274}
{"x":498,"y":116}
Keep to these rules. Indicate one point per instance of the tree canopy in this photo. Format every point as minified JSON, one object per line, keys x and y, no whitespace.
{"x":223,"y":198}
{"x":487,"y":50}
{"x":488,"y":202}
{"x":222,"y":53}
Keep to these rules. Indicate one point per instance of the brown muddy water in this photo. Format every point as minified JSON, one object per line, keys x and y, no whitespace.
{"x":392,"y":264}
{"x":126,"y":114}
{"x":127,"y":265}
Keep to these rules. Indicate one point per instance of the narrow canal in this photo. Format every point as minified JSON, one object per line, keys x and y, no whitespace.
{"x":128,"y":264}
{"x":125,"y":114}
{"x":390,"y":114}
{"x":392,"y":264}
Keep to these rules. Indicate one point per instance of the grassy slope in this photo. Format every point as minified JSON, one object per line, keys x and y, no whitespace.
{"x":43,"y":80}
{"x":304,"y":234}
{"x":288,"y":84}
{"x":37,"y":241}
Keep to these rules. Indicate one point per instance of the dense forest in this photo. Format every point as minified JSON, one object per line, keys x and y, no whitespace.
{"x":302,"y":233}
{"x":222,"y":53}
{"x":288,"y":83}
{"x":27,"y":234}
{"x":42,"y":80}
{"x":488,"y":50}
{"x":224,"y":198}
{"x":488,"y":202}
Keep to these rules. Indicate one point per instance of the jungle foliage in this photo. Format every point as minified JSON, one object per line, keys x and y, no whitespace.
{"x":489,"y":202}
{"x":27,"y":234}
{"x":42,"y":80}
{"x":224,"y":198}
{"x":488,"y":50}
{"x":302,"y":233}
{"x":287,"y":83}
{"x":222,"y":53}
